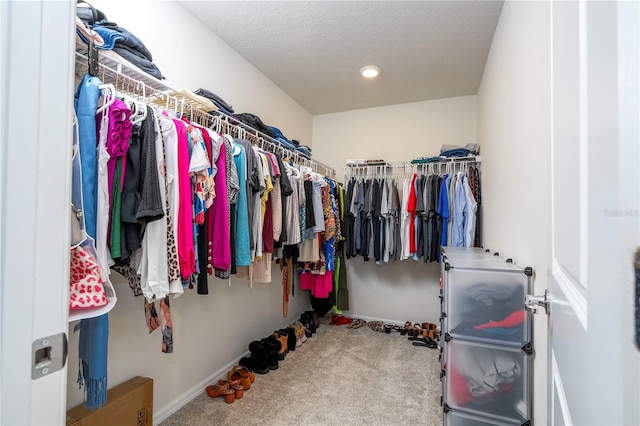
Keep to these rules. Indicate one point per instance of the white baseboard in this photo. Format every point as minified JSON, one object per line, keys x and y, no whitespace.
{"x":166,"y":411}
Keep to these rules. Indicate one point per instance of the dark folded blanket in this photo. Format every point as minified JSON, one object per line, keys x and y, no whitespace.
{"x":220,"y":103}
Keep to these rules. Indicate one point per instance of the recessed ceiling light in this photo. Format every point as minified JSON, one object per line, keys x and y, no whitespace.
{"x":370,"y":71}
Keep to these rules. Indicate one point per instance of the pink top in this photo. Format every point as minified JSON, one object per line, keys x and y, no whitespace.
{"x":220,"y":234}
{"x":186,"y":250}
{"x":118,"y":136}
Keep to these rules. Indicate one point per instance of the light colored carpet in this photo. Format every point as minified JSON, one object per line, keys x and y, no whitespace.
{"x":339,"y":376}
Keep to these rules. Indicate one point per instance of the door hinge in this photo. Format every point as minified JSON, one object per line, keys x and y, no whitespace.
{"x":532,"y":303}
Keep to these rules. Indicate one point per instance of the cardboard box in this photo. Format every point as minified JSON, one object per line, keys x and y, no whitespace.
{"x":130,"y":403}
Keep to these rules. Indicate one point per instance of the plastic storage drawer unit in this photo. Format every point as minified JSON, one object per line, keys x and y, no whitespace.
{"x":453,"y":418}
{"x":487,"y":304}
{"x":488,"y":381}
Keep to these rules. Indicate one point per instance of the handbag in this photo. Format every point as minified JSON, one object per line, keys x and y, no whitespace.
{"x":85,"y":283}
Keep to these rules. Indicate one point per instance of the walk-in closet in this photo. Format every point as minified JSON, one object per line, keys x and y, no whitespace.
{"x":319,"y":213}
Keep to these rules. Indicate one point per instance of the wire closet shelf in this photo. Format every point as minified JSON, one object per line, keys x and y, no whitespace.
{"x":124,"y":78}
{"x":404,"y":168}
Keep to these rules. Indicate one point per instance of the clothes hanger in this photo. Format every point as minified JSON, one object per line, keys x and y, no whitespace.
{"x":141,"y":104}
{"x":176,"y":109}
{"x":169,"y":104}
{"x":109,"y":93}
{"x":141,"y":107}
{"x":138,"y":108}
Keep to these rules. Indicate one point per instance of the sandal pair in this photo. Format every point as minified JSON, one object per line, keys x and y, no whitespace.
{"x":429,"y":330}
{"x":227,"y":390}
{"x":413,"y":330}
{"x":241,"y":375}
{"x":357,"y":323}
{"x":376,"y":325}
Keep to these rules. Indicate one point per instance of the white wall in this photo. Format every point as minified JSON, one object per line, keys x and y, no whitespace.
{"x":514,"y":132}
{"x":406,"y":290}
{"x":213,"y":330}
{"x":190,"y":56}
{"x":395,"y":132}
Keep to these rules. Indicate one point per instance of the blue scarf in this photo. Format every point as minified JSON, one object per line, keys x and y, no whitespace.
{"x":94,"y":332}
{"x":94,"y":339}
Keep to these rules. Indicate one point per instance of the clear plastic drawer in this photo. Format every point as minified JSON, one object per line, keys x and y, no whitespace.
{"x":454,"y":418}
{"x":487,"y":381}
{"x":487,"y":305}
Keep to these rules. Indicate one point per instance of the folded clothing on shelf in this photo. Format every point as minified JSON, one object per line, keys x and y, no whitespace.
{"x":217,"y":100}
{"x":109,"y":36}
{"x":126,"y":45}
{"x":361,"y":162}
{"x":278,"y":133}
{"x":280,"y":137}
{"x":459,"y":151}
{"x":254,"y":121}
{"x":304,"y":150}
{"x":424,"y":160}
{"x":203,"y":102}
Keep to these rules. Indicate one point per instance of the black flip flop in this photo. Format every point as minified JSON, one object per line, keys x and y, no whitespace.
{"x":424,"y":341}
{"x":429,"y":344}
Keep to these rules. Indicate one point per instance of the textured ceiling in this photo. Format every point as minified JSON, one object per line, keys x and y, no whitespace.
{"x":313,"y":50}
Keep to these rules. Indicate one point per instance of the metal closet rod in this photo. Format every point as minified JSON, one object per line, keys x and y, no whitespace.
{"x":185,"y":106}
{"x":382,"y":168}
{"x":474,"y":159}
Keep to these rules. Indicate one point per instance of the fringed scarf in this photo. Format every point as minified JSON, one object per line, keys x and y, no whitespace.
{"x":92,"y":373}
{"x":94,"y":332}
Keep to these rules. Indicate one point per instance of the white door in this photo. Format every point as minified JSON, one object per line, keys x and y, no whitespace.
{"x":36,"y":77}
{"x":593,"y":362}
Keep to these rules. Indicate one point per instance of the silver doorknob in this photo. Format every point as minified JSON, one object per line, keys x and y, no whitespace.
{"x":533,"y":303}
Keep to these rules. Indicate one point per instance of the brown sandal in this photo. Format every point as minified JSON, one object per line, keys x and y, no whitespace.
{"x":229,"y":395}
{"x":235,"y":377}
{"x":408,"y":327}
{"x":417,"y":330}
{"x":244,"y":372}
{"x":216,"y":390}
{"x":238,"y":391}
{"x":376,"y":325}
{"x":429,"y":330}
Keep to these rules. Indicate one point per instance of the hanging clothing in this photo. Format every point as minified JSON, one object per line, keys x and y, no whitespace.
{"x":469,"y":215}
{"x":153,"y":269}
{"x":186,"y":251}
{"x":220,"y":235}
{"x":86,"y":104}
{"x":169,"y":135}
{"x":94,"y":332}
{"x":103,"y":194}
{"x":389,"y":223}
{"x":243,"y":244}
